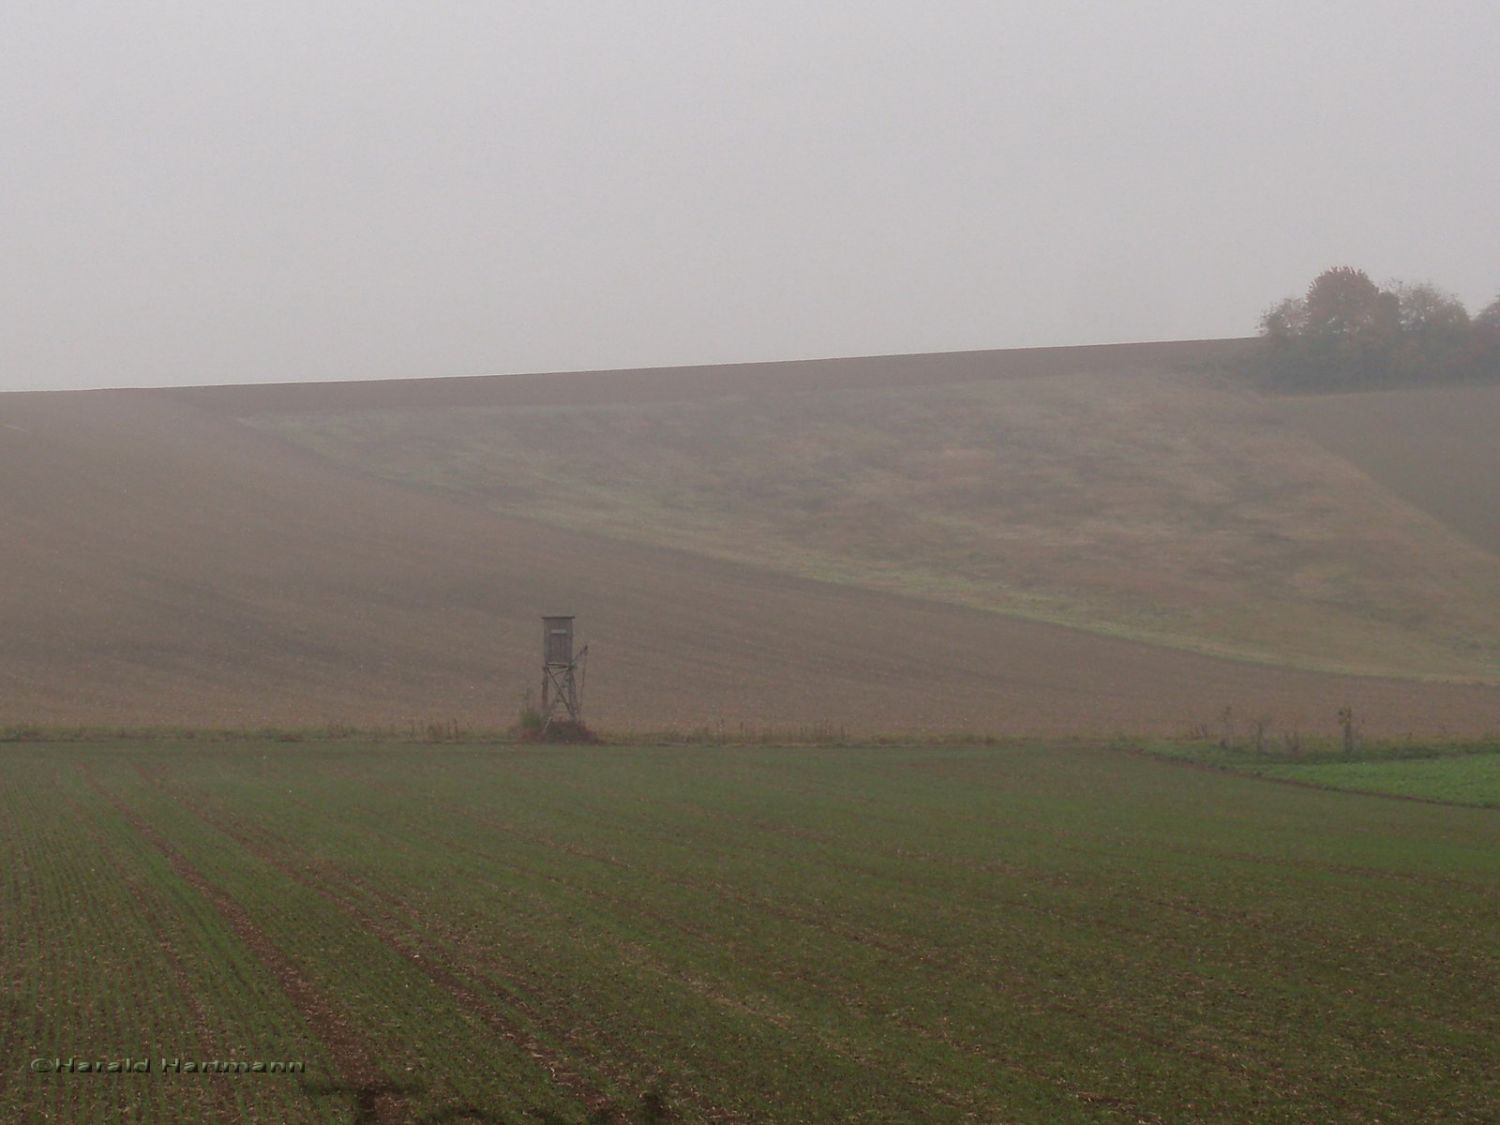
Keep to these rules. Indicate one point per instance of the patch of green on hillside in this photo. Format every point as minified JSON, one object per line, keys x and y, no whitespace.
{"x":1458,"y":773}
{"x":1162,"y":508}
{"x":1469,"y":779}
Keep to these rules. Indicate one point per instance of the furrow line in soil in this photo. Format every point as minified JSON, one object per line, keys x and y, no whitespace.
{"x":378,"y":1101}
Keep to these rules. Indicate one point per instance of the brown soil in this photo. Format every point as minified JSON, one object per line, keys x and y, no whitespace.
{"x":663,"y":384}
{"x":167,"y":563}
{"x":1437,"y":447}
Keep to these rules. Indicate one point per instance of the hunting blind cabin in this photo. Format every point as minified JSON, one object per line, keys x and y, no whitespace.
{"x":563,"y":673}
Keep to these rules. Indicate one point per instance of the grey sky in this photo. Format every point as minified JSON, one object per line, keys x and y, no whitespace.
{"x":200,"y":193}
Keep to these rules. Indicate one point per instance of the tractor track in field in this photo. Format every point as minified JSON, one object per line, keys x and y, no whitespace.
{"x":272,"y":849}
{"x":15,"y":979}
{"x":888,"y":944}
{"x":1285,"y":929}
{"x":893,"y":946}
{"x":603,"y":898}
{"x":378,"y":1101}
{"x":1007,"y":870}
{"x":167,"y":949}
{"x":321,"y":877}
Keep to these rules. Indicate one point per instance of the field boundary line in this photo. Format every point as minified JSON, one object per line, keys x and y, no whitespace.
{"x":1301,"y":783}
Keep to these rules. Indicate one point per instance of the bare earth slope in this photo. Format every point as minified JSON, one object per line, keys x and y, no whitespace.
{"x":1438,"y":447}
{"x":166,"y":562}
{"x":1131,"y":496}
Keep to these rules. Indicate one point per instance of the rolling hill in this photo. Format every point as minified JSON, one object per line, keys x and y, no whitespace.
{"x":1080,"y":540}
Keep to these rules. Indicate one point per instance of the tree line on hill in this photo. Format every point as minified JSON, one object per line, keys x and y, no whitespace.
{"x":1347,"y":333}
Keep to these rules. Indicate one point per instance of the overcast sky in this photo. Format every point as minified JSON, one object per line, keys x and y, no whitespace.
{"x":227,"y":192}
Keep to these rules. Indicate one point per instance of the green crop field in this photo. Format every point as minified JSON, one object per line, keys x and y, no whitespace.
{"x":472,"y":933}
{"x":1457,"y":773}
{"x":1471,"y":779}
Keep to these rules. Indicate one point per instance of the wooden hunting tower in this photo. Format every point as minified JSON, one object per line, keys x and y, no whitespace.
{"x":562,"y":690}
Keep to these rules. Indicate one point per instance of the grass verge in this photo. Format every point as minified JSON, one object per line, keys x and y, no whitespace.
{"x":1450,"y":771}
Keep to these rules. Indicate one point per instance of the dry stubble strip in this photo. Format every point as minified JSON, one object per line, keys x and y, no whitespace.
{"x":378,"y":1102}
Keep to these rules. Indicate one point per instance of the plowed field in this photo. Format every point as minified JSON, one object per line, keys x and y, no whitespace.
{"x":171,"y":558}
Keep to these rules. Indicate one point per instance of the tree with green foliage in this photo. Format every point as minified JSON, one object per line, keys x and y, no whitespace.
{"x":1489,"y":319}
{"x":1342,"y":303}
{"x":1486,"y":333}
{"x":1436,"y":340}
{"x":1347,"y":333}
{"x":1340,"y":334}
